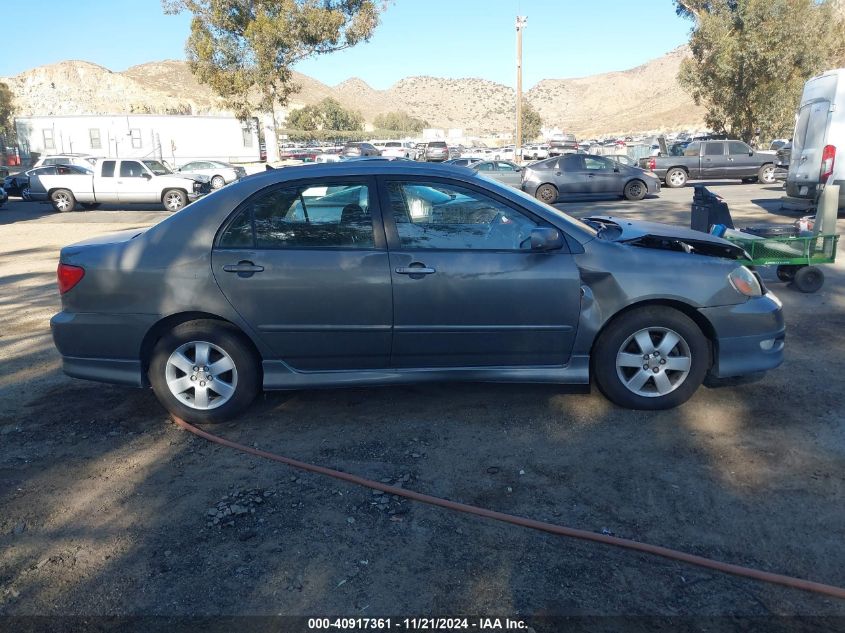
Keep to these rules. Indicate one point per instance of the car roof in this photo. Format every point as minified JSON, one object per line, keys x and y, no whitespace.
{"x":373,"y":167}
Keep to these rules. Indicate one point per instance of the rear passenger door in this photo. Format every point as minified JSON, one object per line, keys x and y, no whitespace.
{"x":570,"y":176}
{"x":714,"y":163}
{"x":305,"y":264}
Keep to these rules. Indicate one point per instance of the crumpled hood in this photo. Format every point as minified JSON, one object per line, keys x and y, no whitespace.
{"x":666,"y":237}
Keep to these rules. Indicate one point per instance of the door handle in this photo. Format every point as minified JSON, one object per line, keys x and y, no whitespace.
{"x":591,"y":175}
{"x":415,"y":270}
{"x":243,"y":268}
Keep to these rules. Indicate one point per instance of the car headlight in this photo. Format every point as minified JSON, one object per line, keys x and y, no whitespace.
{"x":745,"y":282}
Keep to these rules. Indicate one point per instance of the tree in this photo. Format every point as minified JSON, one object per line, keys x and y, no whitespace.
{"x":399,"y":122}
{"x":245,"y":49}
{"x":7,"y":107}
{"x":750,"y":59}
{"x":328,"y":114}
{"x":531,"y":122}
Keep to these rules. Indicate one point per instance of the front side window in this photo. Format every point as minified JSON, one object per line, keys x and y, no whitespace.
{"x":94,"y":136}
{"x":131,"y":169}
{"x":451,"y":217}
{"x":735,"y":148}
{"x":157,"y":167}
{"x":335,"y":215}
{"x":485,"y":167}
{"x":49,"y":143}
{"x":135,"y":134}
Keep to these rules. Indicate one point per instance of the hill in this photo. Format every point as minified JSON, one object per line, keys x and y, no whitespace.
{"x":644,"y":98}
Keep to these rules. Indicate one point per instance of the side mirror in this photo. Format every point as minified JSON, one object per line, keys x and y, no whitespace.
{"x":545,"y":239}
{"x":517,"y":168}
{"x":146,"y":175}
{"x":751,"y":152}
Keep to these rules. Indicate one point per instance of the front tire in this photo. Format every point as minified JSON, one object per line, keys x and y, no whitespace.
{"x":174,"y":199}
{"x":766,"y":175}
{"x":676,"y":177}
{"x":635,"y":190}
{"x":546,"y":193}
{"x":217,"y":182}
{"x":63,"y":200}
{"x":651,"y":358}
{"x":204,"y":371}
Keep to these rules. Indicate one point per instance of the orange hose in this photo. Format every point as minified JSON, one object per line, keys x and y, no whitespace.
{"x":665,"y":552}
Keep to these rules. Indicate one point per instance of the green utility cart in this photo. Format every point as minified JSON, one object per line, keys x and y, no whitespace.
{"x":796,"y":258}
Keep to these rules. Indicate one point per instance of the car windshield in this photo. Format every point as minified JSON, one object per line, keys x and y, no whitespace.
{"x":157,"y":167}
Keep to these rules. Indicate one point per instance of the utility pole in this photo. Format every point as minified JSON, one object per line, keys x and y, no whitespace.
{"x":521,"y":21}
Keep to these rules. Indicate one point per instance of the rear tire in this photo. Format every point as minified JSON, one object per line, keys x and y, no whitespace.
{"x":63,"y":200}
{"x":766,"y":175}
{"x":546,"y":193}
{"x":190,"y":394}
{"x":662,"y":381}
{"x":676,"y":177}
{"x":635,"y":190}
{"x":174,"y":199}
{"x":808,"y":279}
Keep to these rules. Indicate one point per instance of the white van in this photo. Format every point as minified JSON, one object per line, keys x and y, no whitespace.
{"x":819,"y":136}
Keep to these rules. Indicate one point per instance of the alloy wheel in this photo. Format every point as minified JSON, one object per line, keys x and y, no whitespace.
{"x":653,"y":362}
{"x":201,"y":375}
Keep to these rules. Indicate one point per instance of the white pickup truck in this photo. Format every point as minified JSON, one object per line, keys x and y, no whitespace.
{"x":118,"y":181}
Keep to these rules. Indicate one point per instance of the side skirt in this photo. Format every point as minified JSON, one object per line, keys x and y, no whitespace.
{"x":278,"y":375}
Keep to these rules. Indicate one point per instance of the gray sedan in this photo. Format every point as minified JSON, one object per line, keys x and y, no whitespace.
{"x":394,"y":272}
{"x":583,"y":175}
{"x":501,"y":170}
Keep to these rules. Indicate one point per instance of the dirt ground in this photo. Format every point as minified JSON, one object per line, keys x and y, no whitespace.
{"x":107,"y":508}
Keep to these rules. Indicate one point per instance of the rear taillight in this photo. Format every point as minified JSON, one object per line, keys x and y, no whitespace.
{"x":652,"y":164}
{"x":828,"y":158}
{"x":69,"y":276}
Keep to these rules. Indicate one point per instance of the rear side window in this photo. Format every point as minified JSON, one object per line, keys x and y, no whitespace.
{"x":693,"y":149}
{"x":324,"y":216}
{"x":570,"y":162}
{"x":108,"y":169}
{"x":714,"y":149}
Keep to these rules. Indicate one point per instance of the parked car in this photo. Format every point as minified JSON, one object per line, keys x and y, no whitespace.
{"x":360,"y":149}
{"x":784,"y":155}
{"x":82,"y":160}
{"x":4,"y":197}
{"x":536,"y":152}
{"x":501,"y":170}
{"x":217,"y":172}
{"x":778,"y":143}
{"x":435,"y":151}
{"x":462,"y":162}
{"x":819,"y":136}
{"x":460,"y":278}
{"x":39,"y":179}
{"x":586,"y":175}
{"x":399,"y":149}
{"x":561,"y":144}
{"x":504,"y":153}
{"x":118,"y":180}
{"x":712,"y":160}
{"x":15,"y":184}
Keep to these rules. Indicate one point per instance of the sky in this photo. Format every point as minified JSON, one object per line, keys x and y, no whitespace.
{"x":441,"y":38}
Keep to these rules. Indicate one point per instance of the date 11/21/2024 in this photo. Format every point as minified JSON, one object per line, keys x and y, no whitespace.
{"x":416,"y":624}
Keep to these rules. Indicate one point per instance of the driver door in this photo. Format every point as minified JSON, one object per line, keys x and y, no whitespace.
{"x":467,"y":289}
{"x":133,"y":183}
